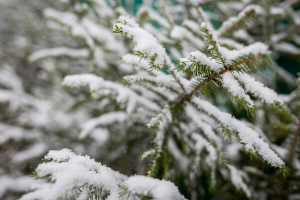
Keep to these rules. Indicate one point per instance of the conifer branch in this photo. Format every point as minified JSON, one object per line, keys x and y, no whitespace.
{"x":222,"y":72}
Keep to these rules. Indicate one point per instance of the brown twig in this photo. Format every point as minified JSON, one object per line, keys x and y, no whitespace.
{"x":222,"y":72}
{"x":217,"y":127}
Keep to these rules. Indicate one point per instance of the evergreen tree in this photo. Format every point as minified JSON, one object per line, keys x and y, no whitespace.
{"x":175,"y":69}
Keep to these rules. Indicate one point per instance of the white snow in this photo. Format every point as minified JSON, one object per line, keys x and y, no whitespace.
{"x":75,"y":176}
{"x":237,"y":177}
{"x":9,"y":78}
{"x":193,"y":26}
{"x":233,"y":149}
{"x":206,"y":128}
{"x":144,"y":42}
{"x":100,"y":135}
{"x":251,"y":139}
{"x":104,"y":36}
{"x":230,"y":43}
{"x":15,"y":184}
{"x":257,"y":89}
{"x":201,"y":59}
{"x":78,"y":172}
{"x":255,"y":49}
{"x":164,"y":114}
{"x":159,"y":189}
{"x":235,"y":89}
{"x":14,"y":133}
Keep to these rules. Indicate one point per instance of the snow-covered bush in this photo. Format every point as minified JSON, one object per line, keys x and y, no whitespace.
{"x":175,"y":70}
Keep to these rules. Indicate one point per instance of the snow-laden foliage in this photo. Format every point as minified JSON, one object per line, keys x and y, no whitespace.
{"x":72,"y":176}
{"x":161,"y":95}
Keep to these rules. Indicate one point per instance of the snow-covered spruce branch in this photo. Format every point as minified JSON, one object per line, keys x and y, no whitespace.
{"x":252,"y":141}
{"x":215,"y":76}
{"x":244,"y":60}
{"x":258,"y":89}
{"x":236,"y":90}
{"x":72,"y":176}
{"x":145,"y":44}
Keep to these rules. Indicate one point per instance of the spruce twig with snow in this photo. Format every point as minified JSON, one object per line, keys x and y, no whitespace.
{"x":226,"y":61}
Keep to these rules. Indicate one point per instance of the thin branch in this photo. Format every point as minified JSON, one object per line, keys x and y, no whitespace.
{"x":217,"y":127}
{"x":245,"y":61}
{"x":208,"y":80}
{"x":222,"y":72}
{"x":232,"y":27}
